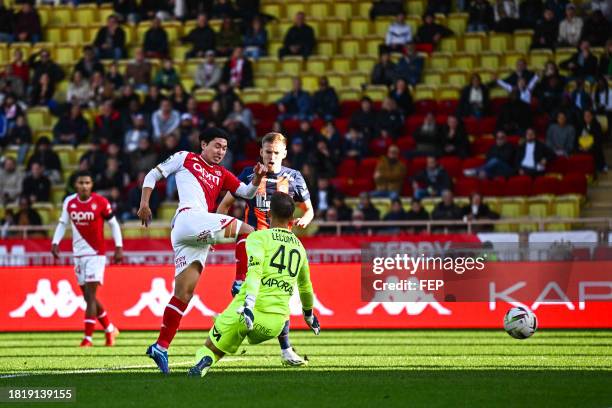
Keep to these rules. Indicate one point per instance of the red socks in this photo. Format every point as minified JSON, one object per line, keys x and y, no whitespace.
{"x":172,"y":318}
{"x":90,"y":324}
{"x":241,"y":257}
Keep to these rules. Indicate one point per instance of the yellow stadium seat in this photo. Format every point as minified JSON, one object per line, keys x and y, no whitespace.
{"x":291,"y":65}
{"x":104,"y":13}
{"x":264,"y":82}
{"x":61,"y":16}
{"x":293,"y":8}
{"x":350,"y":46}
{"x":38,"y":117}
{"x":204,"y":95}
{"x":334,"y":28}
{"x":44,"y":12}
{"x":4,"y":54}
{"x":54,"y":34}
{"x":57,"y":194}
{"x":415,"y":7}
{"x":365,"y":63}
{"x":141,"y":30}
{"x":46,"y":212}
{"x":512,"y":207}
{"x":381,"y":25}
{"x":266,"y":66}
{"x":562,"y":54}
{"x":492,"y":202}
{"x":348,"y":94}
{"x":66,"y":154}
{"x":539,"y":207}
{"x":429,"y":203}
{"x":359,"y":27}
{"x":363,"y":9}
{"x":130,"y":35}
{"x":344,"y":10}
{"x":336,"y":79}
{"x":510,"y":59}
{"x":283,"y":82}
{"x":310,"y":82}
{"x":464,"y":61}
{"x":273,"y":95}
{"x":566,"y":207}
{"x":424,"y":92}
{"x":23,"y":46}
{"x":357,"y":79}
{"x":317,"y":65}
{"x":499,"y":42}
{"x":64,"y":54}
{"x":457,"y":77}
{"x":433,"y":77}
{"x":603,"y":121}
{"x":489,"y":60}
{"x":440,"y":60}
{"x":320,"y":10}
{"x":85,"y":15}
{"x":522,"y":40}
{"x":474,"y":42}
{"x":448,"y":92}
{"x":539,"y":58}
{"x":486,"y":75}
{"x":457,"y":22}
{"x":342,"y":64}
{"x":326,"y":47}
{"x":274,"y":46}
{"x":372,"y":45}
{"x":377,"y":92}
{"x":77,"y":36}
{"x":274,"y":9}
{"x":449,"y":44}
{"x":167,"y":210}
{"x":178,"y":51}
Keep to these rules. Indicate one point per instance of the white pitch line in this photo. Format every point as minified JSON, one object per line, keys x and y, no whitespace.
{"x":102,"y":370}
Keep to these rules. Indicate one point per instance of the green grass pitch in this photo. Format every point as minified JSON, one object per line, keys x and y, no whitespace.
{"x":408,"y":368}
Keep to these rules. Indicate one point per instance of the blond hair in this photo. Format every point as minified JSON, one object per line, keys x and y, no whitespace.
{"x":274,"y":137}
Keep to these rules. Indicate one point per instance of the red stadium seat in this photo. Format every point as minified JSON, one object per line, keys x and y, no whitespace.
{"x":452,"y":165}
{"x":291,"y":126}
{"x":574,"y":183}
{"x":239,"y":165}
{"x":518,"y":186}
{"x":379,"y":146}
{"x":413,"y":123}
{"x":251,"y":150}
{"x":366,"y":167}
{"x":496,"y":105}
{"x":447,"y":107}
{"x":482,"y":126}
{"x":416,"y":165}
{"x":482,"y":144}
{"x":342,"y":125}
{"x":581,"y":163}
{"x":472,"y":162}
{"x":405,"y":143}
{"x":558,"y":165}
{"x":317,"y":124}
{"x":264,"y":126}
{"x":263,"y":111}
{"x":492,"y":188}
{"x":348,"y":168}
{"x":546,"y":185}
{"x":466,"y":186}
{"x":425,"y":106}
{"x":347,"y":108}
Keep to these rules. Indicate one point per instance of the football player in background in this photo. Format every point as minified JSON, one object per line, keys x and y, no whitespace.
{"x":277,"y":261}
{"x":277,"y":178}
{"x":86,"y":212}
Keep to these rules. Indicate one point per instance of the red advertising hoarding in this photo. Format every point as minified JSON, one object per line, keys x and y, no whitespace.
{"x":48,"y":298}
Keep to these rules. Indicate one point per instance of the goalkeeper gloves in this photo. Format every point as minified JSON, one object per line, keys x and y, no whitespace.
{"x":236,"y":287}
{"x":312,"y":321}
{"x":246,"y":311}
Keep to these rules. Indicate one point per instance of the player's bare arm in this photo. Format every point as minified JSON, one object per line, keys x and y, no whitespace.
{"x":308,"y":216}
{"x":55,"y":251}
{"x":144,"y":212}
{"x":226,"y":204}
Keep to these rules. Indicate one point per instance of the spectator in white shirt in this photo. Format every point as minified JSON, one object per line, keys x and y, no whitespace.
{"x":208,"y":73}
{"x":524,"y":89}
{"x":570,"y":28}
{"x":165,"y":121}
{"x":399,"y":34}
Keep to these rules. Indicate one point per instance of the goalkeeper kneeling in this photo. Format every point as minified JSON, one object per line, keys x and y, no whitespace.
{"x":277,"y":260}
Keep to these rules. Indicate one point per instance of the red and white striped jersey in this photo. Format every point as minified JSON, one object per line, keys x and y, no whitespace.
{"x":199,"y":183}
{"x":87,"y":220}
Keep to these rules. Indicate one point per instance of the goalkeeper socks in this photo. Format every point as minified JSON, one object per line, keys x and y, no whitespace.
{"x":90,"y":324}
{"x":283,"y":337}
{"x":172,"y":318}
{"x":241,"y":257}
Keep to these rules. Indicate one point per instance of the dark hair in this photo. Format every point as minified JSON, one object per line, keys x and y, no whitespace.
{"x":82,"y":173}
{"x":282,"y":206}
{"x":212,"y":133}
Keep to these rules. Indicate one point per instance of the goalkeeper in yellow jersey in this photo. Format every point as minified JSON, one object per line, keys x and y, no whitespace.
{"x":276,"y":261}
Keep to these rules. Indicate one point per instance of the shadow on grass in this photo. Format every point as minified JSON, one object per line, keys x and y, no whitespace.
{"x":308,"y":388}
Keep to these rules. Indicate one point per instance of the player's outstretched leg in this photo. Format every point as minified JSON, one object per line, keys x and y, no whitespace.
{"x":241,"y":263}
{"x":206,"y":356}
{"x":89,"y":293}
{"x":184,"y":285}
{"x":110,"y":330}
{"x":288,"y":355}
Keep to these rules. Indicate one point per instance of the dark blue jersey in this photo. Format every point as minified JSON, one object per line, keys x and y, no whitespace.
{"x":287,"y":181}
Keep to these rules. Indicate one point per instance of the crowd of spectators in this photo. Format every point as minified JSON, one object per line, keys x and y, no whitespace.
{"x":144,"y":113}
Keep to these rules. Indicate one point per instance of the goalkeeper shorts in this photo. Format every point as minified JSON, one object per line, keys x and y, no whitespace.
{"x":230,"y":331}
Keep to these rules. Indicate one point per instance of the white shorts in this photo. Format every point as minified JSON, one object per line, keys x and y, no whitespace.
{"x":89,"y":269}
{"x":194,"y":231}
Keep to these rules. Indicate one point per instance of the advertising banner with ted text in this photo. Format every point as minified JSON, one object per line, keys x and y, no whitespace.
{"x":48,"y":298}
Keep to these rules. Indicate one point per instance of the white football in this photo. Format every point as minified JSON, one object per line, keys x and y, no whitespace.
{"x":520,"y":323}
